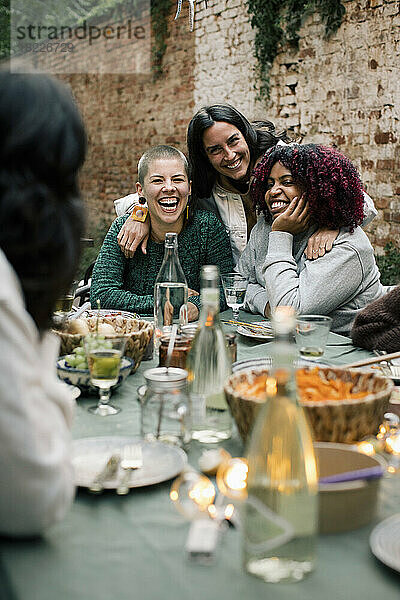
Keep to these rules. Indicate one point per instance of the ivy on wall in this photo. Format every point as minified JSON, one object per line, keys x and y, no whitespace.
{"x":160,"y":10}
{"x":4,"y":28}
{"x":277,"y":23}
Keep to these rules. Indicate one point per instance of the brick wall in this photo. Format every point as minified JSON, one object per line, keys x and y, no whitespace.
{"x":342,"y":91}
{"x":125,"y":114}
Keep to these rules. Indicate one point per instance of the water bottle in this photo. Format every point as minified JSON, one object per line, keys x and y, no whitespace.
{"x":170,"y":292}
{"x":209,"y":365}
{"x":280,"y":515}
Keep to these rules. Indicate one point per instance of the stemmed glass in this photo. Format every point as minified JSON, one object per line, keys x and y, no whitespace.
{"x":235,"y":290}
{"x":104,"y":360}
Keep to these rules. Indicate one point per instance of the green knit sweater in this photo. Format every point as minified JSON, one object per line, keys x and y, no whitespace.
{"x":128,"y":284}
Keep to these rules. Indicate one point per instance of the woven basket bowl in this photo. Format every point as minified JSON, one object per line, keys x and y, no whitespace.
{"x":345,"y":421}
{"x":137,"y":332}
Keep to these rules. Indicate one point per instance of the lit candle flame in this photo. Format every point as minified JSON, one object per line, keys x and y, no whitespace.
{"x":366,"y":448}
{"x":232,"y":478}
{"x":393,"y":444}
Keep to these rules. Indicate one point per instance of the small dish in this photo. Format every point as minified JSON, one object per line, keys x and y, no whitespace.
{"x":80,"y":378}
{"x":161,"y":462}
{"x":346,"y":505}
{"x":248,"y":331}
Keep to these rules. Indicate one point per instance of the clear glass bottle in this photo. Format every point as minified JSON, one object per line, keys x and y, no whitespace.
{"x":209,"y":365}
{"x":280,"y":515}
{"x":170,"y":292}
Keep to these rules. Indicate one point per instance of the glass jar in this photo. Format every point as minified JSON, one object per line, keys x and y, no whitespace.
{"x":179,"y":352}
{"x":165,"y":406}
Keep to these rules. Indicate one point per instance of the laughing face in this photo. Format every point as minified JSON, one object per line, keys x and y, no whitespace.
{"x":281,"y":189}
{"x":227,"y":150}
{"x":166,"y":188}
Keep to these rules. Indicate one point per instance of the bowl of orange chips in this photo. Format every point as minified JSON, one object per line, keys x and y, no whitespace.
{"x":342,"y":405}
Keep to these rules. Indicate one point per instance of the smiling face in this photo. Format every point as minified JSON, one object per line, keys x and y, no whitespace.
{"x":227,"y":150}
{"x":166,"y":188}
{"x":281,"y":189}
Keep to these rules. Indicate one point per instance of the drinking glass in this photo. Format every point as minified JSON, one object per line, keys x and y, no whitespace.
{"x":63,"y":306}
{"x":312,"y":334}
{"x":235,"y":290}
{"x":104,"y":360}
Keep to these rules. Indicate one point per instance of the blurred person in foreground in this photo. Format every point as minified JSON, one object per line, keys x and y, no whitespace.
{"x":43,"y":145}
{"x":299,"y":189}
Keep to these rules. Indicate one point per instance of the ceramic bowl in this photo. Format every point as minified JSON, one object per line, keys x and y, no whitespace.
{"x":346,"y":505}
{"x":81,"y":378}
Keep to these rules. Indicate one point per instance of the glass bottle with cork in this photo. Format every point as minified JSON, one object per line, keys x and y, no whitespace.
{"x":280,"y":515}
{"x":209,"y":365}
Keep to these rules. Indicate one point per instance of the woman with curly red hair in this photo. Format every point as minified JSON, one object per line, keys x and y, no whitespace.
{"x":298,"y":189}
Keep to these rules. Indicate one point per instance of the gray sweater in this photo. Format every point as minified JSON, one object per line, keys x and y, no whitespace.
{"x":338,"y":284}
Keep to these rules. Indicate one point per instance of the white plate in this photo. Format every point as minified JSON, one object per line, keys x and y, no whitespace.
{"x":257,"y":335}
{"x":385,"y":542}
{"x":160,"y":461}
{"x":266,"y":361}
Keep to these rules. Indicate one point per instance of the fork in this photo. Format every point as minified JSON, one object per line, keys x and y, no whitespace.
{"x":131,"y":458}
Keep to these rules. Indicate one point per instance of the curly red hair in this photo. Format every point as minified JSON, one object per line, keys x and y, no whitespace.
{"x":330,"y":181}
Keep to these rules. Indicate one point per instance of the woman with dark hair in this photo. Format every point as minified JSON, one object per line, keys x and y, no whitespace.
{"x":223,"y":149}
{"x":298,"y":189}
{"x":43,"y":145}
{"x":128,"y":284}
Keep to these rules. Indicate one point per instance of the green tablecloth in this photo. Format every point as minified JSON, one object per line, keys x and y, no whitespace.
{"x":131,"y":547}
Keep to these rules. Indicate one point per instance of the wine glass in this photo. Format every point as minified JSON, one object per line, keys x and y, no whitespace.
{"x":104,"y":360}
{"x":235,"y":290}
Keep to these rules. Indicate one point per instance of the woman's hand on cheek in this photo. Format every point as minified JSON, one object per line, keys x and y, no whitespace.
{"x":295,"y":218}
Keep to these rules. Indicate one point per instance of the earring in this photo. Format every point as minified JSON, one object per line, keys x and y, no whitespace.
{"x":142,"y":200}
{"x":187,"y":212}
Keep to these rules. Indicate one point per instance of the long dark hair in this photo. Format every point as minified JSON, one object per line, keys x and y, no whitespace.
{"x":259,"y":136}
{"x":43,"y":144}
{"x":329,"y":179}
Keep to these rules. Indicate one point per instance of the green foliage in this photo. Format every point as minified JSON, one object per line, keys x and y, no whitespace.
{"x":160,"y":10}
{"x":74,"y":12}
{"x":4,"y":29}
{"x":89,"y":254}
{"x":277,"y":22}
{"x":389,"y":265}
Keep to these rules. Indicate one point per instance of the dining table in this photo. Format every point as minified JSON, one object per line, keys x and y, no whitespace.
{"x":132,"y":547}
